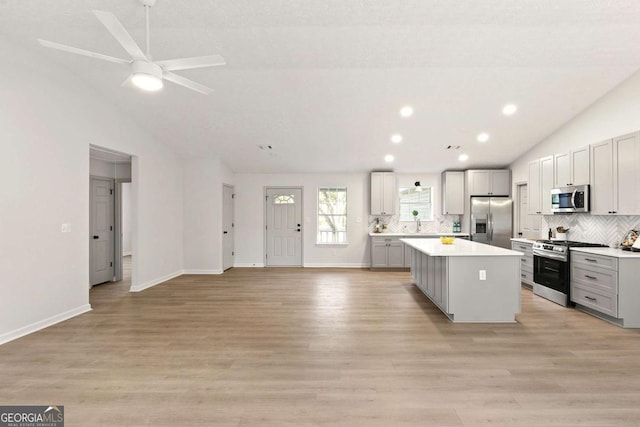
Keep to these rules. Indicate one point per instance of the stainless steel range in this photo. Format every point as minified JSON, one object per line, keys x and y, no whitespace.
{"x":552,"y":269}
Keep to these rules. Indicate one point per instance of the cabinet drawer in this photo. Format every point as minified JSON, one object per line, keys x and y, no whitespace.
{"x":527,"y":262}
{"x":601,"y":279}
{"x":594,"y":260}
{"x":383,"y":240}
{"x":603,"y":302}
{"x":522,"y":247}
{"x":526,"y":276}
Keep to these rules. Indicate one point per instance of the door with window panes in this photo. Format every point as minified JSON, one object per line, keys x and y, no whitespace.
{"x":283,"y":227}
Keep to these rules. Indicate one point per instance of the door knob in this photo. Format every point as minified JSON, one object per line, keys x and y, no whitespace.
{"x":96,"y":237}
{"x":298,"y":229}
{"x":224,"y":232}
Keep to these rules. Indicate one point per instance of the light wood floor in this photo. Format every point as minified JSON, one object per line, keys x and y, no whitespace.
{"x":320,"y":347}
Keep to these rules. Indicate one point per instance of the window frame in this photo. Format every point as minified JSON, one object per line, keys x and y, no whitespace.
{"x":345,"y":215}
{"x":431,"y":218}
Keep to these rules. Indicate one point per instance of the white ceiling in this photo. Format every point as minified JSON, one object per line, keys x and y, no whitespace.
{"x":322,"y":81}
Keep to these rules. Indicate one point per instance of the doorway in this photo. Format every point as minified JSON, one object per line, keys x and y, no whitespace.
{"x":110,"y":221}
{"x":283,"y":231}
{"x":527,"y":225}
{"x":228,"y":234}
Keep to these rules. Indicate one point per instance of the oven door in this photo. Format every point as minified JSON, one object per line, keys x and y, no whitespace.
{"x":552,"y":273}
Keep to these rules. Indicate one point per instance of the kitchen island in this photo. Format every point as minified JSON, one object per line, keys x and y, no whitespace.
{"x":468,"y":281}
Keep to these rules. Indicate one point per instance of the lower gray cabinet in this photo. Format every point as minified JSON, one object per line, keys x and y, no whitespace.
{"x":387,"y":252}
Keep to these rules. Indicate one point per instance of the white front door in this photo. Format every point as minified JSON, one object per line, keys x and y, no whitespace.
{"x":101,"y":237}
{"x":284,"y":227}
{"x":227,"y":227}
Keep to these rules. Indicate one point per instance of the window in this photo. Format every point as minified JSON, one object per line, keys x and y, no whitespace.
{"x":412,"y":200}
{"x":284,"y":200}
{"x":332,"y":215}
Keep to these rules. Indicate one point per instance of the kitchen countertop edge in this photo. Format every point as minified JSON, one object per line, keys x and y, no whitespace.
{"x":418,"y":235}
{"x":612,"y":252}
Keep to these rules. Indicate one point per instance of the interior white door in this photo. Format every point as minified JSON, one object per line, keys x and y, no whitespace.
{"x":228,"y":251}
{"x":101,"y":238}
{"x":284,"y":227}
{"x":523,"y":211}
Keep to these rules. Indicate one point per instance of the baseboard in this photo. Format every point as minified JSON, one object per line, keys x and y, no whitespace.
{"x":201,"y":271}
{"x":335,"y":265}
{"x":34,"y":327}
{"x":154,"y":282}
{"x":249,"y":265}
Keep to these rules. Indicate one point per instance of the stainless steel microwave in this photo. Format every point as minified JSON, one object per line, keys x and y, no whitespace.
{"x":570,"y":199}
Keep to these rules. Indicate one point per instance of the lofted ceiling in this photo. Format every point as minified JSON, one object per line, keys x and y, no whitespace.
{"x":322,"y":81}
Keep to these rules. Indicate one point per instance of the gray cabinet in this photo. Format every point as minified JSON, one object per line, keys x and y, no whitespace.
{"x":571,"y":168}
{"x":615,"y":176}
{"x":383,"y":193}
{"x":387,"y":252}
{"x":607,"y":286}
{"x":452,"y":193}
{"x":489,"y":182}
{"x":526,"y":266}
{"x":540,"y":184}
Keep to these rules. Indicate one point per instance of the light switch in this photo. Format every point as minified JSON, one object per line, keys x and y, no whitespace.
{"x":65,"y":228}
{"x":483,"y":275}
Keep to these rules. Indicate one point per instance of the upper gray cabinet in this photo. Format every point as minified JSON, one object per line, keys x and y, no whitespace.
{"x":489,"y":182}
{"x":539,"y":185}
{"x":453,"y":193}
{"x":615,"y":176}
{"x":383,"y":193}
{"x":571,"y":168}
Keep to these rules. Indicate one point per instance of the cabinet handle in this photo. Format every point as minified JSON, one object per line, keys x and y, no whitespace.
{"x":591,"y":260}
{"x":590,"y":277}
{"x":523,"y":275}
{"x":591,"y":298}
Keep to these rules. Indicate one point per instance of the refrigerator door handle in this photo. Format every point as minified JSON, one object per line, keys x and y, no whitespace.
{"x":490,"y":226}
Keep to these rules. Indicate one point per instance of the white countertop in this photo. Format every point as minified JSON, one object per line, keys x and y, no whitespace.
{"x":417,"y":235}
{"x":460,"y":247}
{"x":613,"y":252}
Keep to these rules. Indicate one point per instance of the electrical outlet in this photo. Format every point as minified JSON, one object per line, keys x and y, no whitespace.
{"x":483,"y":275}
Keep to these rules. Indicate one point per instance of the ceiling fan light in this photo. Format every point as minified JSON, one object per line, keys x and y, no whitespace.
{"x":146,"y":82}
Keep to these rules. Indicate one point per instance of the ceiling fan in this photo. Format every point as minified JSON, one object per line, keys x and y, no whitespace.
{"x":145,"y":73}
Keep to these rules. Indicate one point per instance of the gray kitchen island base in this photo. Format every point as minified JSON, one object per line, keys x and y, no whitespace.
{"x":468,"y":281}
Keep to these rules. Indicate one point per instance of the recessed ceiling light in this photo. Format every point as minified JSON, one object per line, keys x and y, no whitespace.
{"x":509,"y":109}
{"x":483,"y":137}
{"x":406,"y":111}
{"x":396,"y":138}
{"x":388,"y":158}
{"x":463,"y":157}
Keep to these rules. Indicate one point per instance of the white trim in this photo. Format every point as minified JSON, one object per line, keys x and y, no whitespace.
{"x":249,"y":265}
{"x":154,"y":282}
{"x":201,"y":271}
{"x":336,"y":265}
{"x":45,"y":323}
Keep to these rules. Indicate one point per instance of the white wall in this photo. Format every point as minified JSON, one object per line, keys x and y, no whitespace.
{"x":614,"y":114}
{"x":203,"y":180}
{"x":44,"y":176}
{"x":249,"y":213}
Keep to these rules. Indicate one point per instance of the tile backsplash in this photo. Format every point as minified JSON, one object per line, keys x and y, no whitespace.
{"x":440,"y":224}
{"x":609,"y":230}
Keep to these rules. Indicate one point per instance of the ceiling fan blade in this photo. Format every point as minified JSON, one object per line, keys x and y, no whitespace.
{"x":116,"y":29}
{"x":179,"y":80}
{"x":188,"y":63}
{"x":72,"y":49}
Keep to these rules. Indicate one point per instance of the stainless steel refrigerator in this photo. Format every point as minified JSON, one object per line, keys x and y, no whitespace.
{"x":491,"y":220}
